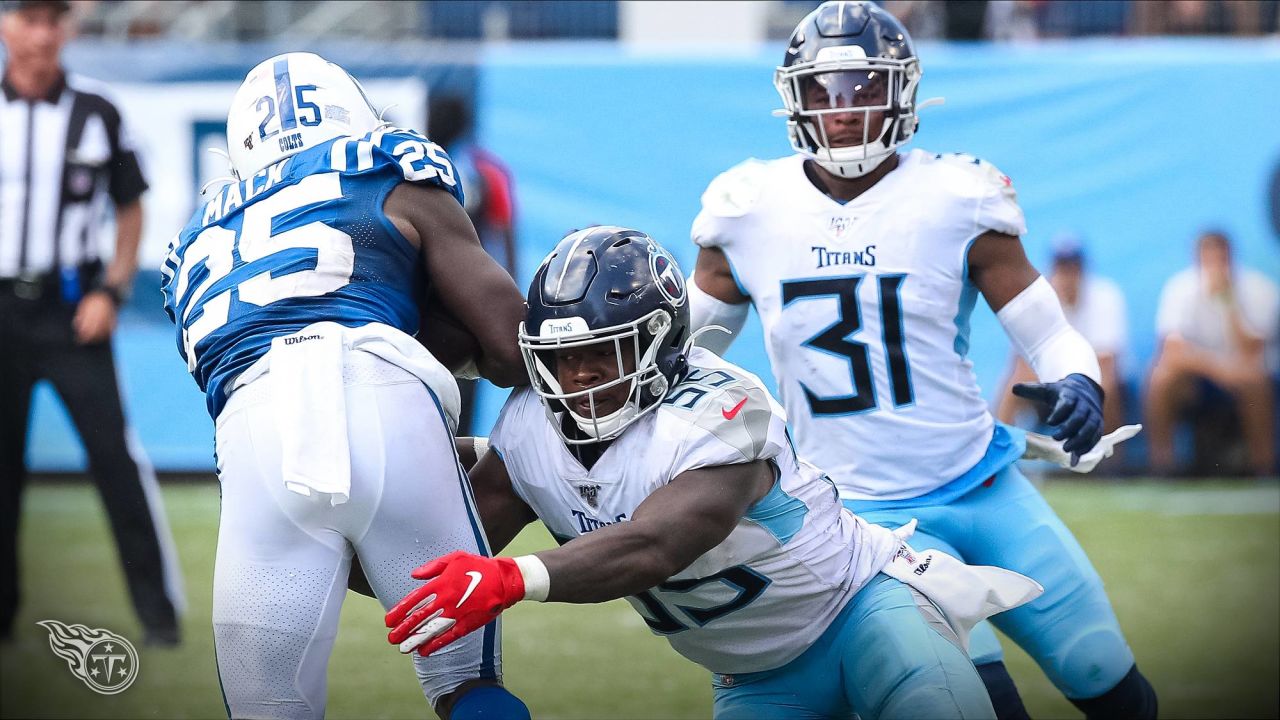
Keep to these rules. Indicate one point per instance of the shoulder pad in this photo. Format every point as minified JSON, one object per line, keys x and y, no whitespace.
{"x":990,"y":179}
{"x":733,"y":408}
{"x":735,"y":191}
{"x":419,"y":158}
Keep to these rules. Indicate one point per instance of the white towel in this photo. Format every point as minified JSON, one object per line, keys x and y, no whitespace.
{"x":1043,"y":447}
{"x":405,"y":352}
{"x":306,"y":372}
{"x":965,"y":594}
{"x":311,"y":411}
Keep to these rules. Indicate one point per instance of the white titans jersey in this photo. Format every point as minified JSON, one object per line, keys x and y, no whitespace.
{"x":865,"y":307}
{"x":760,"y":598}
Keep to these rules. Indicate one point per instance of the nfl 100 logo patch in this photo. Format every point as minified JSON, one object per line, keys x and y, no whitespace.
{"x":591,"y":494}
{"x":839,"y":225}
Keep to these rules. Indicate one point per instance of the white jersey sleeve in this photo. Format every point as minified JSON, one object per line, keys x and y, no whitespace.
{"x":521,"y":410}
{"x":737,"y":423}
{"x":990,"y":192}
{"x":999,"y":209}
{"x":727,"y":207}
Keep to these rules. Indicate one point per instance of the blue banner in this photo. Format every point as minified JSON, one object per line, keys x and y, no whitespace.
{"x":1135,"y":145}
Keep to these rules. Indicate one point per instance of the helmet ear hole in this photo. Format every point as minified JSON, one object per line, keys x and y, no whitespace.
{"x":657,"y":389}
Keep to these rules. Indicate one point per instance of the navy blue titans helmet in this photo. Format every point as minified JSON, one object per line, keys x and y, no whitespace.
{"x":607,"y":284}
{"x":848,"y":57}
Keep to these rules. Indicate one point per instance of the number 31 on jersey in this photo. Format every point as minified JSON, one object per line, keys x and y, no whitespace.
{"x":837,"y":339}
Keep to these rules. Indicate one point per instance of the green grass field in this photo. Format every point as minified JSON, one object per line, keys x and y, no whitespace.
{"x":1193,"y":571}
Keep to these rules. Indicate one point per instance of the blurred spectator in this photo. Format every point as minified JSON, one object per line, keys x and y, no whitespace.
{"x":965,"y":19}
{"x":1200,"y":17}
{"x":949,"y":19}
{"x":968,"y":19}
{"x":1218,"y":327}
{"x":1013,"y":19}
{"x":490,"y":200}
{"x":1093,"y":305}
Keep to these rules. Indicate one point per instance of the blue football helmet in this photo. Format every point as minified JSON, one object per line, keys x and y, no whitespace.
{"x":849,"y":57}
{"x":607,"y":284}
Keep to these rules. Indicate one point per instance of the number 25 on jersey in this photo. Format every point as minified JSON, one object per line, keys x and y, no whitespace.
{"x":260,"y":265}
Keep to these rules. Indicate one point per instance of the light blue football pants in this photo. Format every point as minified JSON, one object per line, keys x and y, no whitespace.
{"x":880,"y":659}
{"x":1070,"y":630}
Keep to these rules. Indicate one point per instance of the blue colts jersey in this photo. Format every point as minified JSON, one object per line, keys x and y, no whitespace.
{"x":302,"y":241}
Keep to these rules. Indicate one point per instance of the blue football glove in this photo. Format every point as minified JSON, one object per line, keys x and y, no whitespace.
{"x":1076,"y":414}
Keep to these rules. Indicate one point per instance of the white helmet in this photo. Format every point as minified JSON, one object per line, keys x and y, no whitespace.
{"x":289,"y":103}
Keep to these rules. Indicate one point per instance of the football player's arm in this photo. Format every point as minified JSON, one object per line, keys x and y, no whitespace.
{"x":716,"y":299}
{"x":502,"y":512}
{"x":713,"y":274}
{"x":474,"y":288}
{"x":1032,"y":317}
{"x":674,"y":526}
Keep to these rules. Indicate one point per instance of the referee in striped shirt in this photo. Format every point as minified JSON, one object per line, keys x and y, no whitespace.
{"x":63,"y":157}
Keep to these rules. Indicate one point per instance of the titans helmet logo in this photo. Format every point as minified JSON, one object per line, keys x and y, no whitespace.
{"x":667,"y":276}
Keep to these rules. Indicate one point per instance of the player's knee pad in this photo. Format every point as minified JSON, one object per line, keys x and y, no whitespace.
{"x":1004,"y":694}
{"x":1131,"y":698}
{"x":489,"y":702}
{"x":470,"y":659}
{"x":1091,"y":662}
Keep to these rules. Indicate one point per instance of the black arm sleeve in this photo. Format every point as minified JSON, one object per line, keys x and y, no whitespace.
{"x":125,"y":182}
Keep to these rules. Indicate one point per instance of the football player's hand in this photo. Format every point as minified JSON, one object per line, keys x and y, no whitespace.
{"x":463,"y":593}
{"x":1076,"y":414}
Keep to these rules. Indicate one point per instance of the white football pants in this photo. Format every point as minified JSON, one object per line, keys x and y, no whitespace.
{"x":283,"y":558}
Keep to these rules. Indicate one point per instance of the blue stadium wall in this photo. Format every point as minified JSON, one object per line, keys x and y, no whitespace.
{"x":1133,"y":145}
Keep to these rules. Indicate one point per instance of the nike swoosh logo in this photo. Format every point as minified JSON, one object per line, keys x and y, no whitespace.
{"x":476,"y":577}
{"x":733,"y":413}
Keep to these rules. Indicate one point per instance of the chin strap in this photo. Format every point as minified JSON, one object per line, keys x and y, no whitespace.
{"x":382,"y":121}
{"x":223,"y":179}
{"x":688,"y":344}
{"x":931,"y":102}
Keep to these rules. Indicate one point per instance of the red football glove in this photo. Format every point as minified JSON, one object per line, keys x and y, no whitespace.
{"x":463,"y":593}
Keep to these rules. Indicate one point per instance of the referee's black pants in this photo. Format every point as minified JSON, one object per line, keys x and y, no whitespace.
{"x":37,"y":342}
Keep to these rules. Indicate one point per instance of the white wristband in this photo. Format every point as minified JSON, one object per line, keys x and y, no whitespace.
{"x":1034,"y":322}
{"x":480,"y":445}
{"x":537,"y":581}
